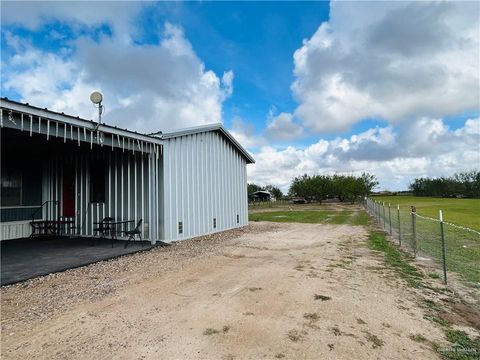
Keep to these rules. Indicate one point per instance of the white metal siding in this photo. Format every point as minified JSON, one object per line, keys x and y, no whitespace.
{"x":15,"y":230}
{"x":128,"y":193}
{"x":205,"y":178}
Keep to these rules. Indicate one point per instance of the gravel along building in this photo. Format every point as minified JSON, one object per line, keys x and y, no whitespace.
{"x":61,"y":174}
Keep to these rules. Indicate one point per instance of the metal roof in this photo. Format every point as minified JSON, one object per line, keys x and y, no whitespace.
{"x":156,"y":137}
{"x":206,"y":128}
{"x":8,"y":104}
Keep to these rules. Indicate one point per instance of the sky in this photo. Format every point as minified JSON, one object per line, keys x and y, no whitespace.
{"x":390,"y":88}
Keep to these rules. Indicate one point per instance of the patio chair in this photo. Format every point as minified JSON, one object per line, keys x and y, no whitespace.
{"x":104,"y":227}
{"x":133,"y":233}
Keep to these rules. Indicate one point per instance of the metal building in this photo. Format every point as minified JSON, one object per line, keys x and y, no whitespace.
{"x":64,"y":170}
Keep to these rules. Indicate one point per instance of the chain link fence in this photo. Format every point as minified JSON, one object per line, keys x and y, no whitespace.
{"x":454,"y":248}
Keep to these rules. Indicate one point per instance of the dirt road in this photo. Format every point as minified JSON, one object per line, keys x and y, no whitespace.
{"x":299,"y":291}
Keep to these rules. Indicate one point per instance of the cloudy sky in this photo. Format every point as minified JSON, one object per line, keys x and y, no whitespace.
{"x":392,"y":88}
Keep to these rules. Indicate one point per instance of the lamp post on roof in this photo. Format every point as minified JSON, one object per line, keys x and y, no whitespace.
{"x":96,"y":98}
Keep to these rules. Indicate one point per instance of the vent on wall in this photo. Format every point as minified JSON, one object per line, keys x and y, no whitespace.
{"x":238,"y":218}
{"x":214,"y":223}
{"x":180,"y":227}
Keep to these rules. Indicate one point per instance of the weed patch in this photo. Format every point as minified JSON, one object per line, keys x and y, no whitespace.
{"x":210,"y":331}
{"x":375,"y":340}
{"x":311,"y":316}
{"x":433,"y":275}
{"x":418,"y":338}
{"x":396,"y":258}
{"x":437,"y":319}
{"x":463,"y":347}
{"x":294,"y":336}
{"x":321,"y":297}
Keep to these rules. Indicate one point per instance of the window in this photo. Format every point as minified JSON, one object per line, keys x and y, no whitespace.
{"x":11,"y":187}
{"x":238,"y":218}
{"x":97,"y":182}
{"x":180,"y":227}
{"x":214,"y":223}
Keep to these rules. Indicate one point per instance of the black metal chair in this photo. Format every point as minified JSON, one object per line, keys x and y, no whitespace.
{"x":104,"y":227}
{"x":133,"y":233}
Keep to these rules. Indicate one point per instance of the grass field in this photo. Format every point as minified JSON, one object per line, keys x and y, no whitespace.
{"x":462,"y":246}
{"x":313,"y":216}
{"x":464,"y":212}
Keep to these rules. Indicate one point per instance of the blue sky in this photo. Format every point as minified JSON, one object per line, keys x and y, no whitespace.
{"x":307,"y":87}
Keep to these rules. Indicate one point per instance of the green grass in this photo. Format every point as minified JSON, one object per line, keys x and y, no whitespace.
{"x":464,"y":212}
{"x":463,"y":347}
{"x":313,"y":217}
{"x":462,"y":247}
{"x":396,"y":259}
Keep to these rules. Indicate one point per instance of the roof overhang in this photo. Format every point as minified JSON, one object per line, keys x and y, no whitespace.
{"x":31,"y":119}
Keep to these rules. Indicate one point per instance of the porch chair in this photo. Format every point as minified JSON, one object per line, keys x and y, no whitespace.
{"x":132,"y":233}
{"x":104,"y":227}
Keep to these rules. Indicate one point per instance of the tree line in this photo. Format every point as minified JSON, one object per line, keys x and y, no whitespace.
{"x":463,"y":184}
{"x":343,"y":187}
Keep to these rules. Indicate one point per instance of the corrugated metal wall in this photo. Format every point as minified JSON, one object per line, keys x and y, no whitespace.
{"x":205,"y":179}
{"x":125,"y":198}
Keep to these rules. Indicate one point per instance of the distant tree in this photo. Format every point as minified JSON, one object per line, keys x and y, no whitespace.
{"x":465,"y":184}
{"x":345,"y":187}
{"x":300,"y":186}
{"x":469,"y":182}
{"x":275,"y":191}
{"x":366,"y":183}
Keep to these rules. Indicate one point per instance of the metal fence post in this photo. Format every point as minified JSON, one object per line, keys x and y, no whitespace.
{"x":443,"y":248}
{"x":399,"y":227}
{"x":414,"y":230}
{"x":390,"y":219}
{"x":378,"y":213}
{"x":384,"y":218}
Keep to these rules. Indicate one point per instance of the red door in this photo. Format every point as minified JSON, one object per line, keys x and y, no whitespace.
{"x":68,"y":192}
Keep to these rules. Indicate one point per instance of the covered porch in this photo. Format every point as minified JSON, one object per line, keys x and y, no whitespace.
{"x":61,"y":176}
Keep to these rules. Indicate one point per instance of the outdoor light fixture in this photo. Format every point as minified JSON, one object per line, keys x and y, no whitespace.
{"x":96,"y":98}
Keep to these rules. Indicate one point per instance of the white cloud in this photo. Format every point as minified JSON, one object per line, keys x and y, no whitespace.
{"x":75,"y":14}
{"x":283,"y":127}
{"x":245,"y":134}
{"x":146,"y":88}
{"x":429,"y":148}
{"x":393,"y":60}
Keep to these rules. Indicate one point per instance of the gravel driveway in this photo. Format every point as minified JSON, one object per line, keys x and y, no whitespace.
{"x":265,"y":291}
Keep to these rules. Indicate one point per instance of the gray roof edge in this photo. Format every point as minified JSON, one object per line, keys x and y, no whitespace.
{"x":157,"y":137}
{"x":8,"y":104}
{"x":207,"y":128}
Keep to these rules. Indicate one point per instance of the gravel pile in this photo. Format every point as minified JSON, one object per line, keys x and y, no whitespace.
{"x":40,"y":298}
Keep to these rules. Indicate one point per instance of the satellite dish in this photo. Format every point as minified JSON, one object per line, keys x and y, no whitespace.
{"x":96,"y":97}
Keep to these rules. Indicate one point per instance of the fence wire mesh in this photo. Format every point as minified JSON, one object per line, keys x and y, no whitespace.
{"x":454,"y":248}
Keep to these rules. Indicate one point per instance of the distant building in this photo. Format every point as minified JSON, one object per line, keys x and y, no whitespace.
{"x":262,"y":195}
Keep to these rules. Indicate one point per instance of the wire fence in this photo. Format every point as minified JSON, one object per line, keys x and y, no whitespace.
{"x":454,"y":248}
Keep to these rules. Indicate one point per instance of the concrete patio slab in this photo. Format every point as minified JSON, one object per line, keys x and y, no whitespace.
{"x":26,"y":258}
